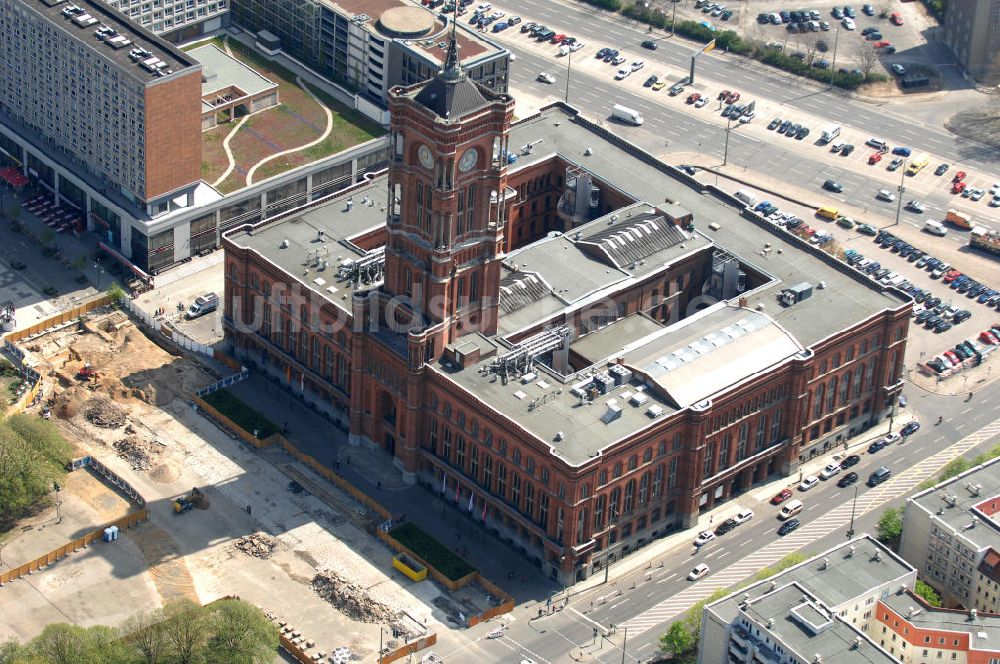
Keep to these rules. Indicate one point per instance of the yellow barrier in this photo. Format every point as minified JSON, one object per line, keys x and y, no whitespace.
{"x":59,"y":319}
{"x":410,"y":568}
{"x":43,"y":561}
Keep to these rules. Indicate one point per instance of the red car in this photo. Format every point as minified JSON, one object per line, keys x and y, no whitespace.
{"x":882,"y":44}
{"x":895,"y":18}
{"x":782,"y":496}
{"x":958,"y":188}
{"x":875,"y":158}
{"x":951,"y":276}
{"x":958,"y":176}
{"x":733,"y":98}
{"x":988,"y":337}
{"x":693,"y":97}
{"x":724,"y":95}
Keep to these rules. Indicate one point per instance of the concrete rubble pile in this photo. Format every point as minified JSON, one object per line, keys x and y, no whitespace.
{"x":134,"y":450}
{"x":351,"y":599}
{"x":101,"y":412}
{"x":257,"y":545}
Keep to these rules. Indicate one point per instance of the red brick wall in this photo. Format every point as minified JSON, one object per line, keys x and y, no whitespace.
{"x":173,"y":133}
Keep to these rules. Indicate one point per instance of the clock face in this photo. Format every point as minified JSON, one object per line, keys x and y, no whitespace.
{"x":468,"y":160}
{"x":425,"y":156}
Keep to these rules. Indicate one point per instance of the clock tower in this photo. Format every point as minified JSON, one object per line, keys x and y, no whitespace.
{"x":447,"y":182}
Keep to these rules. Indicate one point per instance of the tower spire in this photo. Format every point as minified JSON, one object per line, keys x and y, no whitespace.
{"x":452,"y":67}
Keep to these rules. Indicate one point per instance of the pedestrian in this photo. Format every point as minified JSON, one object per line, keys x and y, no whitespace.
{"x":337,"y":464}
{"x":710,"y":519}
{"x":380,"y":485}
{"x":249,"y":509}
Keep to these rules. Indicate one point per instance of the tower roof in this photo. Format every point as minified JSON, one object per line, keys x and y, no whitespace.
{"x":451,"y":93}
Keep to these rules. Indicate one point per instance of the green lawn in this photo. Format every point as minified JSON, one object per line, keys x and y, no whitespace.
{"x":240,"y":413}
{"x":436,"y":555}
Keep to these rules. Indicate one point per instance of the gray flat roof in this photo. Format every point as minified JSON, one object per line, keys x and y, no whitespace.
{"x":847,"y":298}
{"x":338,"y":224}
{"x":82,"y":29}
{"x":984,"y":631}
{"x":846,"y":575}
{"x":971,"y":496}
{"x":221,"y":71}
{"x":607,"y":341}
{"x":836,"y":643}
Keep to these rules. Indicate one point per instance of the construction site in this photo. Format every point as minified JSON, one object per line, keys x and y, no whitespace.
{"x":224,"y":518}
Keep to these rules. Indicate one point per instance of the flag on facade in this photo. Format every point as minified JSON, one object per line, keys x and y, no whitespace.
{"x":444,"y":482}
{"x":457,"y":487}
{"x":483,"y":517}
{"x":471,"y":496}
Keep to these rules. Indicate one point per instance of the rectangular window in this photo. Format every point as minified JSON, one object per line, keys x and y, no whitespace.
{"x":672,"y":477}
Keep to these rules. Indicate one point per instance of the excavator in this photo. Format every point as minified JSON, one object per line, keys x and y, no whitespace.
{"x":194,"y":499}
{"x":87,"y":372}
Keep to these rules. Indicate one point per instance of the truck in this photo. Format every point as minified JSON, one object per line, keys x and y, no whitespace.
{"x":985,"y":239}
{"x":959,"y":219}
{"x":830,"y":133}
{"x":202,"y":305}
{"x":626,"y":114}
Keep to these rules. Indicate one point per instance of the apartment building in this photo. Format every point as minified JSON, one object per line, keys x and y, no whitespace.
{"x":818,"y":611}
{"x":372,"y":45}
{"x":971,"y":30}
{"x":948,"y":532}
{"x":175,"y":20}
{"x":83,"y":83}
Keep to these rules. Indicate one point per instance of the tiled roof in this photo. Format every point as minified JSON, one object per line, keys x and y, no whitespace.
{"x":519,"y":289}
{"x":635,"y":239}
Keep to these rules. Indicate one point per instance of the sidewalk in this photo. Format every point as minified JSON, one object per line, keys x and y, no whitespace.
{"x":375,"y":473}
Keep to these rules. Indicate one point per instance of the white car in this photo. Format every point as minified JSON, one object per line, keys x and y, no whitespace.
{"x":891,"y":438}
{"x":498,"y":14}
{"x":995,"y":202}
{"x":743,"y":516}
{"x":546,"y":77}
{"x":808,"y":483}
{"x":885,"y":195}
{"x":916,"y":206}
{"x":700,"y":571}
{"x":830,"y":470}
{"x":619,"y":59}
{"x":575,"y":46}
{"x":977,"y":194}
{"x":623,"y":73}
{"x":484,"y":7}
{"x":704,"y":537}
{"x":701,"y":102}
{"x":637,"y":65}
{"x":746,"y":118}
{"x":848,"y":23}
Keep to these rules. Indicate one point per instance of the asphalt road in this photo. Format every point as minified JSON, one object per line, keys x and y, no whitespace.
{"x":667,"y":132}
{"x":661,"y":591}
{"x":599,"y":28}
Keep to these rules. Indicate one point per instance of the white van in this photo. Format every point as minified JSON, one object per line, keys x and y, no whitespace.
{"x":935,"y":228}
{"x":790,"y":509}
{"x":830,"y":133}
{"x":746,"y":197}
{"x":626,"y":114}
{"x":202,"y":305}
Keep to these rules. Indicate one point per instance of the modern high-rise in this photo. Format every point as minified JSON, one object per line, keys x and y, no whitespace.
{"x":89,"y":94}
{"x":972,"y":31}
{"x":952,"y":535}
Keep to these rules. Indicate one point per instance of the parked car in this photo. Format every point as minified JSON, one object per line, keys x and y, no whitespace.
{"x":781,"y":496}
{"x":830,"y":470}
{"x":849,"y":461}
{"x":910,"y":428}
{"x":788,"y":526}
{"x":941,"y":170}
{"x":704,"y":537}
{"x":834,"y":186}
{"x":808,"y":483}
{"x":743,"y":516}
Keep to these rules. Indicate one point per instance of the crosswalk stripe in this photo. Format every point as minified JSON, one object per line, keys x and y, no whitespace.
{"x":834,"y":519}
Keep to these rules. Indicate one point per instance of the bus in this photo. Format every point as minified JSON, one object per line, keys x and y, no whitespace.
{"x":918,"y":164}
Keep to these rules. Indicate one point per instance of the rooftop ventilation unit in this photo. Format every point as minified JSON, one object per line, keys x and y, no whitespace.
{"x":519,"y":359}
{"x":974,"y":489}
{"x":367,"y":269}
{"x":613,"y":412}
{"x":654,"y":411}
{"x":795,"y":294}
{"x":950,"y":499}
{"x":857,"y":642}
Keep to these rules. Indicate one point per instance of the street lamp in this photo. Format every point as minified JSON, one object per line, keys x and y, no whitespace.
{"x":57,"y":488}
{"x":850,"y":532}
{"x":624,"y":641}
{"x":902,"y":189}
{"x":833,"y":65}
{"x":725,"y":155}
{"x":607,"y":556}
{"x":569,"y":64}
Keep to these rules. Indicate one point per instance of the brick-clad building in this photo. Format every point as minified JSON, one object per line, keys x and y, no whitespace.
{"x":516,"y":315}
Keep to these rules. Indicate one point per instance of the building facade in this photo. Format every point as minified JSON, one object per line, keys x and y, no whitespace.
{"x":826,"y":609}
{"x":175,"y":20}
{"x":971,"y":29}
{"x":372,"y":46}
{"x":567,"y":363}
{"x":949,"y":532}
{"x":120,"y":103}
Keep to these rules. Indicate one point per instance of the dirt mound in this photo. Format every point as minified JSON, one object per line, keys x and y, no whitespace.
{"x":69,"y":403}
{"x":351,"y":599}
{"x":139,"y":454}
{"x":164,"y":473}
{"x":105,"y":414}
{"x":258,"y":545}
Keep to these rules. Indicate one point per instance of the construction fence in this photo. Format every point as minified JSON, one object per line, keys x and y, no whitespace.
{"x":43,"y":561}
{"x":60,"y":318}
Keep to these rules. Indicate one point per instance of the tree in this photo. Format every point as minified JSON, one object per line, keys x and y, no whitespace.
{"x":62,"y":643}
{"x":954,"y":467}
{"x":677,"y":641}
{"x":928,"y":594}
{"x":890,"y":527}
{"x":146,"y":633}
{"x":241,"y":634}
{"x":28,"y":469}
{"x":115,"y":292}
{"x":867,"y":58}
{"x":187,"y":630}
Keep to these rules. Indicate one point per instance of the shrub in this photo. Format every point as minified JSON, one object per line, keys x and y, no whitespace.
{"x":240,"y":413}
{"x":434,"y":553}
